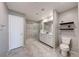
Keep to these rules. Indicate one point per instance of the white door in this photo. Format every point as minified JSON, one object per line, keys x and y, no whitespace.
{"x":16,"y":31}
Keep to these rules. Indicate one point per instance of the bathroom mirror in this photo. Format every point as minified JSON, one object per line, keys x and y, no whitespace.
{"x":48,"y":26}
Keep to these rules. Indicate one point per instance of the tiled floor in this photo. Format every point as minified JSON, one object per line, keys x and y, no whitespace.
{"x":34,"y":48}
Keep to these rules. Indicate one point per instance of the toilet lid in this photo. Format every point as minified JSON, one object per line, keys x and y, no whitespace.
{"x":64,"y":46}
{"x":66,"y":40}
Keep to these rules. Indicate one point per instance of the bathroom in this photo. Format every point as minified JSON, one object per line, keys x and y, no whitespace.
{"x":61,"y":23}
{"x":52,"y":31}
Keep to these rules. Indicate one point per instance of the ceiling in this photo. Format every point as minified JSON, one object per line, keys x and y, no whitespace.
{"x":36,"y":10}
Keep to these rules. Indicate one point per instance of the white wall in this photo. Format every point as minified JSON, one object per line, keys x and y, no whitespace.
{"x":68,"y":16}
{"x":78,"y":25}
{"x":55,"y":27}
{"x":3,"y":30}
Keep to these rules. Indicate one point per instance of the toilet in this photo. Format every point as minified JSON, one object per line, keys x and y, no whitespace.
{"x":64,"y":46}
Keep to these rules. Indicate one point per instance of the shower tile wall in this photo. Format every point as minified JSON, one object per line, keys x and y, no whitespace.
{"x":32,"y":30}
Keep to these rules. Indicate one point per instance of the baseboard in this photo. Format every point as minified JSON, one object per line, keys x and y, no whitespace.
{"x":46,"y":44}
{"x":4,"y":54}
{"x":74,"y":54}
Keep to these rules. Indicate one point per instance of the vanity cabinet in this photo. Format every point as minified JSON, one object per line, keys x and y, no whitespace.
{"x":47,"y":39}
{"x":49,"y":30}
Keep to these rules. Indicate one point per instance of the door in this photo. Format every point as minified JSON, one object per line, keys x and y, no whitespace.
{"x":16,"y":31}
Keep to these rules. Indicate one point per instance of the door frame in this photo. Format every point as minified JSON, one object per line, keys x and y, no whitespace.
{"x":17,"y":14}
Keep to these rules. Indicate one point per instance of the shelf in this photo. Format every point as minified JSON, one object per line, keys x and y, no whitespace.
{"x":66,"y":23}
{"x":67,"y":29}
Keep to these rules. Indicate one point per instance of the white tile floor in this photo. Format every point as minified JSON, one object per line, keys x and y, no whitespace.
{"x":34,"y":48}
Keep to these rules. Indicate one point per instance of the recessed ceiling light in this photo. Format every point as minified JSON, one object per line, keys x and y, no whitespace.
{"x":37,"y":13}
{"x":42,"y":9}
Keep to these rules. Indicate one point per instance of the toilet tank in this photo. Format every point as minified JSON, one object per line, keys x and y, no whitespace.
{"x":66,"y":40}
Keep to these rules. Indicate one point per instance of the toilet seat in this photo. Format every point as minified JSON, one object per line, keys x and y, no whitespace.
{"x":64,"y":47}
